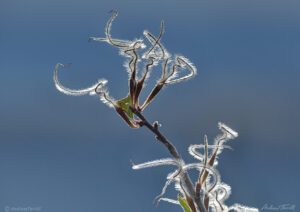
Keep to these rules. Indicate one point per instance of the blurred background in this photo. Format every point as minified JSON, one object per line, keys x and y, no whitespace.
{"x":61,"y":153}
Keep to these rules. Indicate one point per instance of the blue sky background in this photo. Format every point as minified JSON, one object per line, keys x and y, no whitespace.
{"x":71,"y":154}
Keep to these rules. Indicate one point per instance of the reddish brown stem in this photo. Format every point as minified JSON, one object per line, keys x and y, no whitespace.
{"x":173,"y":152}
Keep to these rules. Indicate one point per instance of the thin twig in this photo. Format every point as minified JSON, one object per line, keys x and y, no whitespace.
{"x":173,"y":152}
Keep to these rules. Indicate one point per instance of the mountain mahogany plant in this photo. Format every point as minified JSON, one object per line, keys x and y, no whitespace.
{"x":208,"y":193}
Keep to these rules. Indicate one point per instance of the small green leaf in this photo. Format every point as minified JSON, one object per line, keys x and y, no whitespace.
{"x":124,"y":104}
{"x":184,"y":204}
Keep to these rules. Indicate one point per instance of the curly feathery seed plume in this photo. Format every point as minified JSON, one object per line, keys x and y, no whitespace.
{"x":75,"y":92}
{"x":209,"y":183}
{"x":208,"y":193}
{"x":155,"y":54}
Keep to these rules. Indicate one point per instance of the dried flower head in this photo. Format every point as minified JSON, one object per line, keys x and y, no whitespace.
{"x":209,"y":182}
{"x":208,"y":193}
{"x":154,"y":55}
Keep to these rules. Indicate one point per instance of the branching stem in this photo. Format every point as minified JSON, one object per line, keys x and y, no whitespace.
{"x":173,"y":151}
